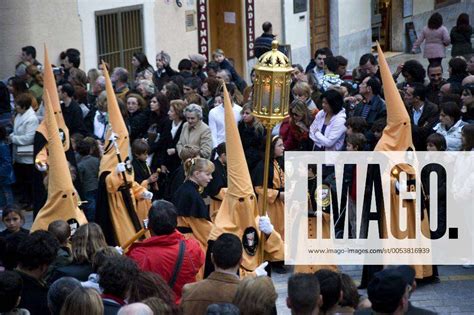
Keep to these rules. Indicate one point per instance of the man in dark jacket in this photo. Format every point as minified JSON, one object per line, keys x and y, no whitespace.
{"x":222,"y":283}
{"x":164,"y":252}
{"x":435,"y":74}
{"x":264,"y":42}
{"x":372,"y":107}
{"x":423,"y":114}
{"x":35,"y":253}
{"x":72,"y":112}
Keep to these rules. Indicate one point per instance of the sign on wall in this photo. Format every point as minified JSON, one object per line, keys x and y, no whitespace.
{"x":203,"y":34}
{"x":250,"y":26}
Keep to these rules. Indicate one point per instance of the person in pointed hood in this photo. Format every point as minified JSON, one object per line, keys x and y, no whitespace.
{"x":397,"y":136}
{"x":117,"y":192}
{"x":239,"y":213}
{"x":62,"y":202}
{"x":41,"y":138}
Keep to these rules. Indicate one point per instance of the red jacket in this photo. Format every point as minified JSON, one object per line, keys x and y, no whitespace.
{"x":291,"y":135}
{"x":158,"y":254}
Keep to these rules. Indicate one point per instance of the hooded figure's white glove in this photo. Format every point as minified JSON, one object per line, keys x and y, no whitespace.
{"x":120,"y":168}
{"x":260,"y":271}
{"x":265,"y":225}
{"x":119,"y":250}
{"x":147,"y":195}
{"x":42,"y":167}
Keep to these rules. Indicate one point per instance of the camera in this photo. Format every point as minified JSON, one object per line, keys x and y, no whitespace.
{"x":57,"y":70}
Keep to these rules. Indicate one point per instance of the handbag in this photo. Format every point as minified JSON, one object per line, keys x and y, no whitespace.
{"x":24,"y":150}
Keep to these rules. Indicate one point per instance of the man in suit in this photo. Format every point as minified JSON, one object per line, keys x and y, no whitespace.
{"x":423,"y":114}
{"x":222,"y":283}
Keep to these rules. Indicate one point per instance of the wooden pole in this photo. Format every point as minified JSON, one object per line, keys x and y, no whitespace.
{"x":266,"y":169}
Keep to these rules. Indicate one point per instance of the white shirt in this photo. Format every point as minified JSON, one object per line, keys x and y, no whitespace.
{"x":174,"y":128}
{"x":217,"y":122}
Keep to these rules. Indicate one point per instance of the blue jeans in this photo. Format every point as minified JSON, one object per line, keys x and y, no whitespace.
{"x":90,"y":197}
{"x":6,"y":196}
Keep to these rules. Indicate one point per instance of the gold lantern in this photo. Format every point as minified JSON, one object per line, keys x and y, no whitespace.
{"x":271,"y":91}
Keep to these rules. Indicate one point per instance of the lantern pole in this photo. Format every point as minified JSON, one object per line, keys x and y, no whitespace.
{"x":272,"y":70}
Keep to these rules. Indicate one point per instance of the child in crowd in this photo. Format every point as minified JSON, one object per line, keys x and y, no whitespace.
{"x":356,"y":125}
{"x":302,"y":91}
{"x":97,"y":260}
{"x":62,"y":231}
{"x":75,"y":139}
{"x":224,"y":64}
{"x":354,"y":142}
{"x":13,"y":219}
{"x":436,"y":142}
{"x":376,"y":132}
{"x":88,"y":169}
{"x":7,"y":176}
{"x":330,"y":79}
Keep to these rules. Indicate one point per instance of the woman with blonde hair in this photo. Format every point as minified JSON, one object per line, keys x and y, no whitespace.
{"x":85,"y":242}
{"x":256,"y":296}
{"x":302,"y":91}
{"x":294,"y":129}
{"x":83,"y":301}
{"x":35,"y":82}
{"x":193,"y":214}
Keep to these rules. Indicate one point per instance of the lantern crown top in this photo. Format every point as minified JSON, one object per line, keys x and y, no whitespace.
{"x":274,"y":59}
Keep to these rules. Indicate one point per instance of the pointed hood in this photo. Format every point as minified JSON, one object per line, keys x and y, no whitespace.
{"x":62,"y":202}
{"x":50,"y":86}
{"x":397,"y":134}
{"x":117,"y":127}
{"x":239,"y":210}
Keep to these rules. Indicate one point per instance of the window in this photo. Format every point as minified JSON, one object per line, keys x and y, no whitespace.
{"x":119,"y":36}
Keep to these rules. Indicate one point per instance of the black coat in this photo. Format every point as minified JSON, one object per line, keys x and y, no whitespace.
{"x":252,"y":142}
{"x":79,"y":271}
{"x":138,"y":122}
{"x":34,"y":296}
{"x":166,"y":141}
{"x":428,"y":119}
{"x":189,"y":203}
{"x":219,"y":179}
{"x":73,"y":118}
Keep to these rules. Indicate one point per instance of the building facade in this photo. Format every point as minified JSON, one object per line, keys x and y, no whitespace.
{"x":112,"y":30}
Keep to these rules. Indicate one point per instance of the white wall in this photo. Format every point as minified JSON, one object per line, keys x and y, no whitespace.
{"x":297,"y":33}
{"x":422,"y":6}
{"x":354,"y":16}
{"x":87,"y":9}
{"x":37,"y":22}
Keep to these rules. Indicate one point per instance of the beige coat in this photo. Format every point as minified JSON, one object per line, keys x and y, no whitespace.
{"x":199,"y":135}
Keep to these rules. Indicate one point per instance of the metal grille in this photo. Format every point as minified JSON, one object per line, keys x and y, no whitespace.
{"x":119,"y":36}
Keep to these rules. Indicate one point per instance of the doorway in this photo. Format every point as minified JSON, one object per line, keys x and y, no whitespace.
{"x":226,"y":30}
{"x":382,"y":23}
{"x":319,"y":24}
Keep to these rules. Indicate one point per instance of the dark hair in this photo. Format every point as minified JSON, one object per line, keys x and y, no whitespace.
{"x":30,"y":50}
{"x":143,"y":60}
{"x":12,"y":209}
{"x":419,"y":90}
{"x":334,"y":99}
{"x":220,"y":149}
{"x":192,"y":82}
{"x":61,"y":230}
{"x":266,"y":27}
{"x":303,"y":292}
{"x":162,"y":217}
{"x":10,"y":257}
{"x":173,"y":92}
{"x":59,"y":291}
{"x":101,"y":255}
{"x":438,"y":141}
{"x":326,"y":51}
{"x":19,"y":85}
{"x":350,"y":296}
{"x":342,"y":61}
{"x":150,"y":284}
{"x":468,"y":133}
{"x":379,"y":125}
{"x":140,"y":146}
{"x":227,"y":251}
{"x":357,"y":139}
{"x":297,"y":66}
{"x":212,"y":65}
{"x":11,"y":286}
{"x":74,"y":57}
{"x":122,"y":74}
{"x":330,"y":284}
{"x":366,"y":58}
{"x":116,"y":274}
{"x":462,"y":23}
{"x":212,"y":85}
{"x":24,"y":100}
{"x":83,"y":147}
{"x":415,"y":70}
{"x":458,"y":66}
{"x":434,"y":65}
{"x":451,"y":109}
{"x":38,"y":249}
{"x":164,"y":104}
{"x":435,"y":21}
{"x":185,"y":64}
{"x":357,"y":124}
{"x":374,"y":84}
{"x":331,"y":63}
{"x":68,"y":89}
